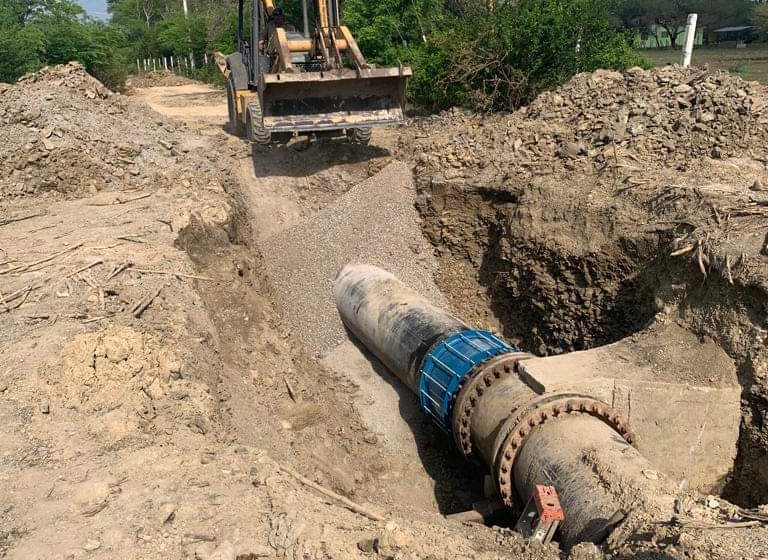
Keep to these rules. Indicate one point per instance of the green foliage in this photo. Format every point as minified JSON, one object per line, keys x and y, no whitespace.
{"x":384,"y":29}
{"x":34,"y":33}
{"x":491,"y":60}
{"x":760,"y":21}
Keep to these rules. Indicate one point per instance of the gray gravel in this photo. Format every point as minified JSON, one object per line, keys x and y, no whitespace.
{"x":376,"y":223}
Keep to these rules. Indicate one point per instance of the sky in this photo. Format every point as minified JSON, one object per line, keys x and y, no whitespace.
{"x":95,"y":8}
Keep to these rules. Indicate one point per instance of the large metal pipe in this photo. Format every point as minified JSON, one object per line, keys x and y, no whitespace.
{"x":391,"y":320}
{"x":468,"y":382}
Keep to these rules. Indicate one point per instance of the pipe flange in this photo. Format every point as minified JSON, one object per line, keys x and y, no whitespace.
{"x":473,"y":388}
{"x":517,"y":427}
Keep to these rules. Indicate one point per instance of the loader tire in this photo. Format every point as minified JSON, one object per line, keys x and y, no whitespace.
{"x":234,"y":126}
{"x":360,"y":135}
{"x":237,"y":80}
{"x":257,"y":135}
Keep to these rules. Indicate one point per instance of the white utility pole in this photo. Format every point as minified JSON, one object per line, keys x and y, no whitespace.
{"x":186,"y":16}
{"x":690,"y":38}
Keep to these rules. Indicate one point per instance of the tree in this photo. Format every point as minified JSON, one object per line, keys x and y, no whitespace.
{"x":672,"y":15}
{"x":760,"y":20}
{"x":38,"y":32}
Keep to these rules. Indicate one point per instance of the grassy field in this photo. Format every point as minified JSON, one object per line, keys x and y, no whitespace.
{"x":750,"y":63}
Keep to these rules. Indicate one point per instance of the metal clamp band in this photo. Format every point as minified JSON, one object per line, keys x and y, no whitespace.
{"x":447,"y":364}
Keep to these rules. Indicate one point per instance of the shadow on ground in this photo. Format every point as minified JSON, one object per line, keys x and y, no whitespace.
{"x":458,"y":484}
{"x":299,"y":158}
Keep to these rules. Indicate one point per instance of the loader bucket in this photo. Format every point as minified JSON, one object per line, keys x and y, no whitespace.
{"x":314,"y":101}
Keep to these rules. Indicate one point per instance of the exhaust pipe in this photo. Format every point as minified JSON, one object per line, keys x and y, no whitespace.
{"x":467,"y":381}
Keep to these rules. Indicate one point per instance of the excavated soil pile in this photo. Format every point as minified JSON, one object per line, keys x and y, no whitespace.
{"x":612,"y":203}
{"x":64,"y":134}
{"x":158,"y":78}
{"x":151,"y":404}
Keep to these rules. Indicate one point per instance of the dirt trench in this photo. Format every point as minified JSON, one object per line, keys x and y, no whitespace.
{"x":201,"y":473}
{"x":554,"y":277}
{"x":308,"y":411}
{"x":550,"y":272}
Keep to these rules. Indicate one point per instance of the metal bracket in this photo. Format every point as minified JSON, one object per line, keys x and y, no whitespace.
{"x":541,"y":516}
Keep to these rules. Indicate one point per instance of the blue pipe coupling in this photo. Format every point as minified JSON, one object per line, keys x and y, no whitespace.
{"x":446,"y":365}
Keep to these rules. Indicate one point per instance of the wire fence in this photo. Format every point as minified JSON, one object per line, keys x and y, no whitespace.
{"x":184,"y":65}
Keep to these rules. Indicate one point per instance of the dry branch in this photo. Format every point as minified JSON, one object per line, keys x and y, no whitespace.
{"x":141,"y":307}
{"x":23,"y":267}
{"x":84,"y":268}
{"x":20,"y":219}
{"x":118,"y":201}
{"x":349,"y":504}
{"x":171,"y":273}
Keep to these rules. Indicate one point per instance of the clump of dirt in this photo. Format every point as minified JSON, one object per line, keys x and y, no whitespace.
{"x":122,"y":368}
{"x":64,"y":134}
{"x":611,"y":203}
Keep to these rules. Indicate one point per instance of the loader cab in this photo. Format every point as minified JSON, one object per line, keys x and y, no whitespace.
{"x":314,"y":81}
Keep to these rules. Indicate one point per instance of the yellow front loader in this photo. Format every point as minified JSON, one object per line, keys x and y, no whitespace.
{"x":284,"y":81}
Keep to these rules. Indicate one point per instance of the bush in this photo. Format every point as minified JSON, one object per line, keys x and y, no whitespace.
{"x":498,"y":60}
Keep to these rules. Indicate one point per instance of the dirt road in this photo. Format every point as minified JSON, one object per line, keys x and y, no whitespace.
{"x":197,"y":105}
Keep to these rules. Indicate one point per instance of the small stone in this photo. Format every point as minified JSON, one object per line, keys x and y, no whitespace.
{"x":717,"y":152}
{"x":366,"y":545}
{"x":758,"y":186}
{"x":713,"y":503}
{"x":92,"y":545}
{"x":370,"y":438}
{"x":45,"y":408}
{"x":650,"y":475}
{"x":174,"y":369}
{"x":198,"y":425}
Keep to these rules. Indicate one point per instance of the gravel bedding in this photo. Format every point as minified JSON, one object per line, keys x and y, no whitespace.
{"x":376,"y":223}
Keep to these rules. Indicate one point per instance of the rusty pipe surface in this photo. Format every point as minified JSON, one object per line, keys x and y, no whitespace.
{"x":574,"y":442}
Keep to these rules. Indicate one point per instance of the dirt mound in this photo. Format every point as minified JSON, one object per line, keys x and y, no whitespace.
{"x":121,"y":368}
{"x":647,"y":117}
{"x":671,"y":113}
{"x":65,"y":134}
{"x":158,"y":78}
